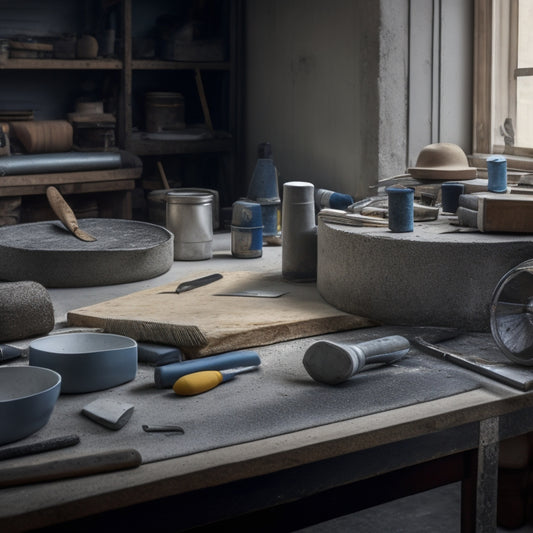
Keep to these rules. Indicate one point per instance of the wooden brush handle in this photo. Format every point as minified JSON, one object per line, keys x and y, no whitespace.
{"x":84,"y":465}
{"x":62,"y":209}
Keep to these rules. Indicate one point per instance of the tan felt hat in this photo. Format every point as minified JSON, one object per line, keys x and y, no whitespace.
{"x":442,"y":161}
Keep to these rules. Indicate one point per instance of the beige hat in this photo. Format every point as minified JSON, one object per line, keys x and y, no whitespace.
{"x":442,"y":161}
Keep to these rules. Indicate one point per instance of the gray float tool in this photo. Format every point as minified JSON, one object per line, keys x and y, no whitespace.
{"x":109,"y":413}
{"x":26,"y":310}
{"x":334,"y":362}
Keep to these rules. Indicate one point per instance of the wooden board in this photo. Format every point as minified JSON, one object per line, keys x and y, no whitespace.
{"x":202,"y":323}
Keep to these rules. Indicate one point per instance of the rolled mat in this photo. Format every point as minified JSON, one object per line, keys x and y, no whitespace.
{"x":26,"y":310}
{"x":44,"y":136}
{"x":64,"y":162}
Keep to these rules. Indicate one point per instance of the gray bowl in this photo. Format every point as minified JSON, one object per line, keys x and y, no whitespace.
{"x":28,"y":395}
{"x":87,"y":362}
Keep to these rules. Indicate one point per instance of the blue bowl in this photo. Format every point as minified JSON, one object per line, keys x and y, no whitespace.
{"x":28,"y":395}
{"x":87,"y":362}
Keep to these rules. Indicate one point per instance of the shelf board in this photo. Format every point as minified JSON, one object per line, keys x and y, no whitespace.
{"x":142,"y":146}
{"x":157,"y":64}
{"x":62,"y":64}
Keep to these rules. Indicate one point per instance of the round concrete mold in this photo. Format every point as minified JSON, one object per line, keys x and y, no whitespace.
{"x":46,"y":252}
{"x":434,"y":276}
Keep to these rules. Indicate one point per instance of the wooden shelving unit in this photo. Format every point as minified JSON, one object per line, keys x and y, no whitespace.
{"x":226,"y":140}
{"x":225,"y":143}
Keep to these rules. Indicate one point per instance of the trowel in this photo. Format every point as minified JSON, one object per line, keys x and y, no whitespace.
{"x":66,"y":215}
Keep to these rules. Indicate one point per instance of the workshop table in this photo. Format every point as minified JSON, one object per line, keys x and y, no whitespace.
{"x":286,"y":481}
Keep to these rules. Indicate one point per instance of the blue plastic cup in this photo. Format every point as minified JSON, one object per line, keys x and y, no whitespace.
{"x":450,"y":193}
{"x":497,"y":171}
{"x":401,"y":209}
{"x":246,"y":213}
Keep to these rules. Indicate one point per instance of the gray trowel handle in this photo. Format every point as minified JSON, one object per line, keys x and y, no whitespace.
{"x":386,"y":350}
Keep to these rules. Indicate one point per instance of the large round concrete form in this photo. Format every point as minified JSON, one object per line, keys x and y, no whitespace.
{"x":125,"y":251}
{"x":434,"y":276}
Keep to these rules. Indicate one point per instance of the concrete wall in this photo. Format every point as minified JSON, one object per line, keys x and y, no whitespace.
{"x":440,"y":74}
{"x":333,"y":85}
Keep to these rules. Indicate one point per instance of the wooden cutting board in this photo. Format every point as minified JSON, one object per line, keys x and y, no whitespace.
{"x":203,"y":323}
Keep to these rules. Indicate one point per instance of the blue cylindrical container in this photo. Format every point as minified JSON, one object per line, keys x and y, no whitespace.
{"x":264,"y":184}
{"x":401,"y":209}
{"x":335,"y":200}
{"x":264,"y":189}
{"x":450,"y":193}
{"x":497,"y":172}
{"x":246,"y":229}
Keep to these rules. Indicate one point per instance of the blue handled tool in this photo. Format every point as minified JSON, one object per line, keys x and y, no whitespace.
{"x":166,"y":376}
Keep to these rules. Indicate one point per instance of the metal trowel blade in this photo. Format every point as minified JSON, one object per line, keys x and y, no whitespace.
{"x":254,"y":294}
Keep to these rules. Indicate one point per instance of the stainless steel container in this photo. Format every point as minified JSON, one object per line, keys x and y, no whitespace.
{"x":190,"y":219}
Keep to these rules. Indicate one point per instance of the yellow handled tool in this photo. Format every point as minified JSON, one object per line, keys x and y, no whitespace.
{"x":199,"y":382}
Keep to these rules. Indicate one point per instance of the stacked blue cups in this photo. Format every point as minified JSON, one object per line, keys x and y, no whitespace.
{"x":246,"y":229}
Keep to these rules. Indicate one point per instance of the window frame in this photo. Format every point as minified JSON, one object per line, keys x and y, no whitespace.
{"x":484,"y":102}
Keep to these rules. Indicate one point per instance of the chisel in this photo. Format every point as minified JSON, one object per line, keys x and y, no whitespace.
{"x":199,"y":382}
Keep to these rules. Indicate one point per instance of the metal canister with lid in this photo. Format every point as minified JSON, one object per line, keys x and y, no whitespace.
{"x":189,"y":216}
{"x":246,"y":229}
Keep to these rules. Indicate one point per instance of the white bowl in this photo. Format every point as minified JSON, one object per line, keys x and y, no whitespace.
{"x":87,"y":362}
{"x":28,"y":395}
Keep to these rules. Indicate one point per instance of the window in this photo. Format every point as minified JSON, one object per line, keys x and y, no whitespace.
{"x":503,"y":77}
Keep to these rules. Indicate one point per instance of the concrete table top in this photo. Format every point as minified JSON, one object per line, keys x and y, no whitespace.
{"x":452,"y":424}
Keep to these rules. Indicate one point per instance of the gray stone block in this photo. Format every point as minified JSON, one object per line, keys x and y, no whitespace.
{"x":434,"y":276}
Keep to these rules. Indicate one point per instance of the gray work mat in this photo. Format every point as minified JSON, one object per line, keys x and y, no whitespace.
{"x":278,"y":398}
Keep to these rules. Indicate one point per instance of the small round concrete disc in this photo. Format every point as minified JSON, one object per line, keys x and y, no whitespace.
{"x":125,"y":251}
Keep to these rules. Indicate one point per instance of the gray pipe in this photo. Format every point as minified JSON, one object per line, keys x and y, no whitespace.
{"x":60,"y":162}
